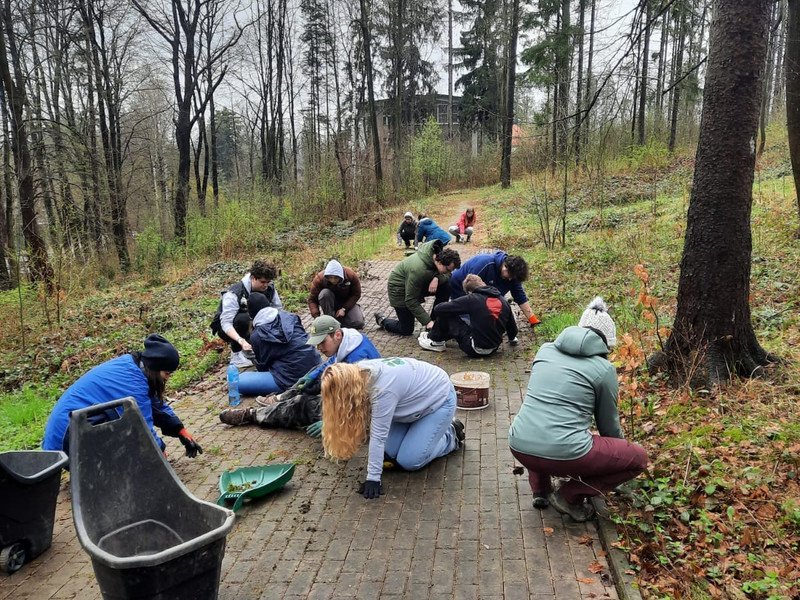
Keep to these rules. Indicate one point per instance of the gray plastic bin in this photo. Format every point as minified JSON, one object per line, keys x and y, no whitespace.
{"x":29,"y":482}
{"x":147,"y":536}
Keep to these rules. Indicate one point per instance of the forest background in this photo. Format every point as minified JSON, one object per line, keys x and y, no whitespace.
{"x":151,"y":149}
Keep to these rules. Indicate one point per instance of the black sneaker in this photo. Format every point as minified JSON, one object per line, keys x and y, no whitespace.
{"x":380,"y":318}
{"x":461,"y":434}
{"x":540,"y":501}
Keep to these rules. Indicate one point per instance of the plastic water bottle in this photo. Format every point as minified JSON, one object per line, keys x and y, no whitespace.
{"x":234,"y":397}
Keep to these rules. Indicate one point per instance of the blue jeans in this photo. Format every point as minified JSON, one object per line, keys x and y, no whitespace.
{"x":414,"y":445}
{"x":253,"y":383}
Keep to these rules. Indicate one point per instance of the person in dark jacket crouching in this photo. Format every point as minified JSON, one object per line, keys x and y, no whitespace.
{"x":140,"y":375}
{"x":300,"y":405}
{"x":572,"y":385}
{"x":489,"y":317}
{"x":279,"y":344}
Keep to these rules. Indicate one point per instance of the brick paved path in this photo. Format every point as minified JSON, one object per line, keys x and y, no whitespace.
{"x":461,"y":528}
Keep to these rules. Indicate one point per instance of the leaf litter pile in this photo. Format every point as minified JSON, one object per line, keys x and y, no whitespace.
{"x":717,"y":515}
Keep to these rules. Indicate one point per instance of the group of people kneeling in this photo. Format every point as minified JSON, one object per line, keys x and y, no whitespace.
{"x":404,"y":408}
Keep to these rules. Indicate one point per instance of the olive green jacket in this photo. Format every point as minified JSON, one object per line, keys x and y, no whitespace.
{"x":409,"y":281}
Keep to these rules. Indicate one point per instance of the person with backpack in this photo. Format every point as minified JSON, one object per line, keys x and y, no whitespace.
{"x":232,"y":322}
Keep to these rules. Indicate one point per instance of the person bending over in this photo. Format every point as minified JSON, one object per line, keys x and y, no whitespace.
{"x":504,"y":272}
{"x":428,"y":230}
{"x":404,"y":407}
{"x":143,"y":376}
{"x":489,"y":317}
{"x":572,"y":383}
{"x":279,"y":344}
{"x":424,"y":273}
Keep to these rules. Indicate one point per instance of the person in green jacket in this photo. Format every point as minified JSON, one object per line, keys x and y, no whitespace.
{"x":572,"y":383}
{"x":424,"y":273}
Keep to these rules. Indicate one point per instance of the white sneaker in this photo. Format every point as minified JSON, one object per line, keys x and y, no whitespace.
{"x":428,"y":344}
{"x":239,"y":360}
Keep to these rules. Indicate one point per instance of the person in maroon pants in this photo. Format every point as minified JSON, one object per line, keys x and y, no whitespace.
{"x":572,"y":384}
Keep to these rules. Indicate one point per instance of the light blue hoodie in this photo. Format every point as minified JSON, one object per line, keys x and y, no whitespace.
{"x":571,"y":384}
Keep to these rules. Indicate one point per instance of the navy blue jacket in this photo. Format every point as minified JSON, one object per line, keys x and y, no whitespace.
{"x":487,"y":267}
{"x":280,"y":348}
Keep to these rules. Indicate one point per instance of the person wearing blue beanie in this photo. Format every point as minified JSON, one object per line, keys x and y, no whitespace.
{"x":141,"y":375}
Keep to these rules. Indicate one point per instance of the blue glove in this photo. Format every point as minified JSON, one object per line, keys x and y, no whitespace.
{"x":371,"y":489}
{"x":315,"y":429}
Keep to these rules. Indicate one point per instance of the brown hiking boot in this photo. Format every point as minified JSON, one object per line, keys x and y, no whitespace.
{"x":238,"y":416}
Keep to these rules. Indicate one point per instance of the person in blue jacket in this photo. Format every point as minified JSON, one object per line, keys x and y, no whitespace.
{"x":499,"y":270}
{"x":282,"y":355}
{"x":301,"y":406}
{"x":141,"y":375}
{"x":428,"y":230}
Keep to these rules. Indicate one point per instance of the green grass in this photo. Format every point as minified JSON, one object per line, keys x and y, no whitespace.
{"x":23,"y":415}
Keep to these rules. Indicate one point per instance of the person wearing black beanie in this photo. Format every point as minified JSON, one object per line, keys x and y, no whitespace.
{"x":141,"y":375}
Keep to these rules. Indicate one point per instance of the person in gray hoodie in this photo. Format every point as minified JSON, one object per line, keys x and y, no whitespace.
{"x":572,"y":383}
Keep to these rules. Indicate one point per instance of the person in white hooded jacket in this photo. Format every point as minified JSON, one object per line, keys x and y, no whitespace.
{"x":300,"y":405}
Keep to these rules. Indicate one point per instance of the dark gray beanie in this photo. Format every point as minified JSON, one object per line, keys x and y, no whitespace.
{"x":159,"y":354}
{"x":255,"y":303}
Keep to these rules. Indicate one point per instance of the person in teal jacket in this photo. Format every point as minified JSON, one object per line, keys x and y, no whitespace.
{"x":572,"y":383}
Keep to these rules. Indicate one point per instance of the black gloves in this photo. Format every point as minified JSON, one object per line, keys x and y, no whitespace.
{"x":371,"y":489}
{"x":192,"y":447}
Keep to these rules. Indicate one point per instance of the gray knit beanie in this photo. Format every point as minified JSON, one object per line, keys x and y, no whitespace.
{"x":596,"y":316}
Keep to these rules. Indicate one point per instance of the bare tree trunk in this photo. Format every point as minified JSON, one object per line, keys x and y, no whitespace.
{"x":676,"y":92}
{"x":792,"y":62}
{"x":589,"y":82}
{"x":766,"y":97}
{"x":579,"y":114}
{"x":662,"y":71}
{"x":643,"y":85}
{"x":376,"y":140}
{"x":14,"y":85}
{"x":511,"y":74}
{"x":712,"y":337}
{"x":563,"y":65}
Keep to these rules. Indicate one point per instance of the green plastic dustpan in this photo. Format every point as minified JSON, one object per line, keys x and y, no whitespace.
{"x":252,"y":482}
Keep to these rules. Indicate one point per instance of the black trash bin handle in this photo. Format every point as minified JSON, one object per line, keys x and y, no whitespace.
{"x":84,"y":414}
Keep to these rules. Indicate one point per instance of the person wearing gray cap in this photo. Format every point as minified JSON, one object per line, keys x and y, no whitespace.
{"x":300,"y":405}
{"x":336,"y":291}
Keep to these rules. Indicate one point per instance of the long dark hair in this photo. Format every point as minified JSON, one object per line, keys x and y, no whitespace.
{"x":156,"y":384}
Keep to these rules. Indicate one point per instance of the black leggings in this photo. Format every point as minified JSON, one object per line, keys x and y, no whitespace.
{"x":404,"y":323}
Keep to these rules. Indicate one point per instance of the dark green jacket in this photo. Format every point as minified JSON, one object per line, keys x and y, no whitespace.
{"x":572,"y":384}
{"x":409,"y":281}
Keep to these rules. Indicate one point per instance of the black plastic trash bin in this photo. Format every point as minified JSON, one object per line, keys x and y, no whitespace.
{"x":147,"y":536}
{"x":29,"y":482}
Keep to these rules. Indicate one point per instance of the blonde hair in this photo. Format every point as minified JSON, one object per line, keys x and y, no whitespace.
{"x":472,"y":282}
{"x":346,"y":410}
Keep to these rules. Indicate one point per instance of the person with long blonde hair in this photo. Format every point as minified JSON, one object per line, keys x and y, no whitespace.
{"x":404,"y":406}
